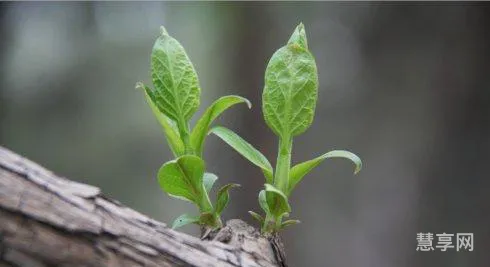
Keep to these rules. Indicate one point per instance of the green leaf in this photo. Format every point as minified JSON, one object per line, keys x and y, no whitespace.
{"x":291,"y":88}
{"x":257,"y":217}
{"x":277,"y":201}
{"x":245,"y":149}
{"x":288,"y":223}
{"x":183,"y":178}
{"x":209,"y":179}
{"x":299,"y":171}
{"x":263,"y":202}
{"x":223,"y":197}
{"x":169,"y":128}
{"x":202,"y":126}
{"x":184,"y":219}
{"x":177,"y":88}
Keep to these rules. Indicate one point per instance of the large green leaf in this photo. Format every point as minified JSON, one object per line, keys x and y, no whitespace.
{"x":169,"y":127}
{"x":223,"y":197}
{"x":209,"y":179}
{"x":277,"y":201}
{"x":183,"y":178}
{"x":201,"y":129}
{"x":299,"y":171}
{"x":245,"y":149}
{"x":291,"y":87}
{"x":184,"y":219}
{"x":177,"y":88}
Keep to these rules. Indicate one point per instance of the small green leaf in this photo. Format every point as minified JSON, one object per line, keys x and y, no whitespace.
{"x":184,"y":219}
{"x":223,"y":197}
{"x":299,"y":171}
{"x":277,"y":201}
{"x":209,"y":179}
{"x":263,"y":202}
{"x":257,"y":217}
{"x":177,"y":88}
{"x":245,"y":149}
{"x":291,"y":88}
{"x":169,"y":128}
{"x":201,"y":129}
{"x":288,"y":223}
{"x":183,"y":178}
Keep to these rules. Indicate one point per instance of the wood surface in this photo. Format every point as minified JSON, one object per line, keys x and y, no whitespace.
{"x":47,"y":220}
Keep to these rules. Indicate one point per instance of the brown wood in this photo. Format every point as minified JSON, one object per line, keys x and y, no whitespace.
{"x":47,"y":220}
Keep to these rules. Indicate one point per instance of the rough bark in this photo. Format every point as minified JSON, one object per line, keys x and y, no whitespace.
{"x":47,"y":220}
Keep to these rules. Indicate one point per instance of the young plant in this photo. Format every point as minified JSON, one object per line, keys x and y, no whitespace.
{"x":173,"y":101}
{"x":288,"y":104}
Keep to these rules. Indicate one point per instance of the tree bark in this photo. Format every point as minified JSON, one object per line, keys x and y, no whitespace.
{"x":47,"y":220}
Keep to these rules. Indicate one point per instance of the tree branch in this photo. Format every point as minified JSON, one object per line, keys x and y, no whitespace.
{"x":47,"y":220}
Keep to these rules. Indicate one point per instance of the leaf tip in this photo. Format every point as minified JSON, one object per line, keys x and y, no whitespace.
{"x":301,"y":26}
{"x":256,"y":216}
{"x":163,"y":31}
{"x":358,"y":168}
{"x":139,"y":85}
{"x":249,"y":104}
{"x":358,"y":164}
{"x":299,"y":36}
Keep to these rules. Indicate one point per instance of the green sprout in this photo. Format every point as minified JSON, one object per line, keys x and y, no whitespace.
{"x":288,"y":105}
{"x":174,"y":101}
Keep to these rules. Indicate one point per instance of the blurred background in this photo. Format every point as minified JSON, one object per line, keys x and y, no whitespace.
{"x":404,"y":86}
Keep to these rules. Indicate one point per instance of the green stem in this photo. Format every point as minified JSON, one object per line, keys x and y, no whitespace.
{"x":269,"y":223}
{"x":283,"y":165}
{"x":184,"y":135}
{"x":205,"y":204}
{"x":281,"y":179}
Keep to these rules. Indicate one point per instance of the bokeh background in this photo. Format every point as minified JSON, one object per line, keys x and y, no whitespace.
{"x":405,"y":86}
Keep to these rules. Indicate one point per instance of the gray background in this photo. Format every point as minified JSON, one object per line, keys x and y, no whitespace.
{"x":405,"y":86}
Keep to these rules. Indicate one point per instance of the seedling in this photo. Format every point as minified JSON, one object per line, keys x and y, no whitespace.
{"x":174,"y":100}
{"x":288,"y":105}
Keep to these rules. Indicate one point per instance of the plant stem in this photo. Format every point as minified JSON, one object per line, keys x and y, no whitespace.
{"x":205,"y":204}
{"x":184,"y":135}
{"x":269,"y":223}
{"x":281,"y":178}
{"x":283,"y":164}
